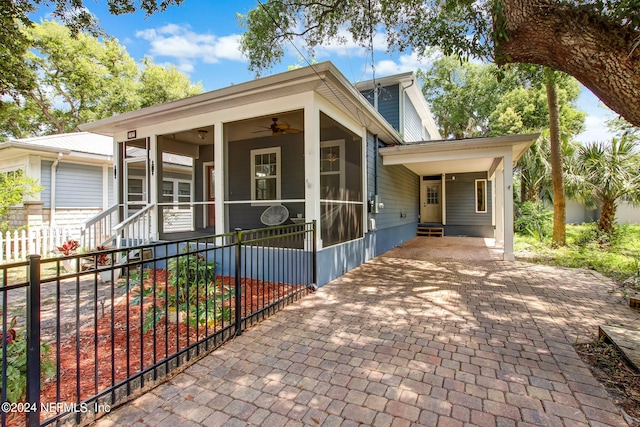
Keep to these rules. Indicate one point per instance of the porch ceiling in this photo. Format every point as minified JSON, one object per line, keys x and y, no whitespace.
{"x":457,"y":156}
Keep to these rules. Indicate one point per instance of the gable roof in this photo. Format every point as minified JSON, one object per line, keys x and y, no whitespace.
{"x":323,"y":78}
{"x":78,"y":143}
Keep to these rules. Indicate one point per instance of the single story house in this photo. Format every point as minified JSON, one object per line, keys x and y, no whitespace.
{"x":75,"y":171}
{"x":319,"y":148}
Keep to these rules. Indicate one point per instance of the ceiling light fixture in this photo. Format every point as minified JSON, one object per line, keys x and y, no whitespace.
{"x":202,"y":133}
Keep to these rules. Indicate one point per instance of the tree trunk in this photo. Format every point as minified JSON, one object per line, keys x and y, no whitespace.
{"x":607,"y":217}
{"x":580,"y":42}
{"x":559,"y":204}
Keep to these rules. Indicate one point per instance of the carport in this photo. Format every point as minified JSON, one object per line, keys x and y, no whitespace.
{"x":493,"y":157}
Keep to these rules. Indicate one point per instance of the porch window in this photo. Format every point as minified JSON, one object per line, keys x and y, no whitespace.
{"x":265,"y":169}
{"x":341,"y":182}
{"x":331,"y":169}
{"x":7,"y":177}
{"x":481,"y":195}
{"x":176,"y":191}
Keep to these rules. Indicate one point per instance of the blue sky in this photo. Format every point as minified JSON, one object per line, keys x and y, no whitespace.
{"x":201,"y":38}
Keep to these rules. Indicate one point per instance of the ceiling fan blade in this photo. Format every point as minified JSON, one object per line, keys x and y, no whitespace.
{"x":291,"y":130}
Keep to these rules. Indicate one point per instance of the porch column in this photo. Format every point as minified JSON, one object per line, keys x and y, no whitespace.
{"x":219,"y":166}
{"x":153,"y":197}
{"x":312,"y":167}
{"x":499,"y":213}
{"x":508,"y":206}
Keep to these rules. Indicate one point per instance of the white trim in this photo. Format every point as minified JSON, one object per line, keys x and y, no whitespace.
{"x":205,"y":195}
{"x":277,"y":176}
{"x":341,"y":157}
{"x":475,"y":196}
{"x":443,"y":187}
{"x":263,"y":202}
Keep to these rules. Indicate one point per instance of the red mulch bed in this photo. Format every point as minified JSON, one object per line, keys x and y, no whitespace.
{"x":96,"y":375}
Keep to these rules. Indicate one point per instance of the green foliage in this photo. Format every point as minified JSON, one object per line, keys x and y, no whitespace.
{"x":191,"y":292}
{"x":463,"y":95}
{"x":14,"y":186}
{"x":78,"y":78}
{"x":160,"y":84}
{"x":14,"y":18}
{"x":17,"y":364}
{"x":533,"y":219}
{"x":617,"y":259}
{"x":601,"y":174}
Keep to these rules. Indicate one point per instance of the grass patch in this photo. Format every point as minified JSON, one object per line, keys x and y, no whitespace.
{"x":616,"y":256}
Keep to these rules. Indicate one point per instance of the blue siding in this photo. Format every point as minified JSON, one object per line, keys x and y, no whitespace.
{"x":45,"y":181}
{"x":389,"y":105}
{"x":460,"y":196}
{"x":78,"y":186}
{"x":412,"y":122}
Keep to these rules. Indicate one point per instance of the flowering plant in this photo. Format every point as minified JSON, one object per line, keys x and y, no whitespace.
{"x":69,"y":247}
{"x":103,"y":259}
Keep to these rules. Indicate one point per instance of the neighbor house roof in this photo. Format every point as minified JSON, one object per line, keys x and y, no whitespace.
{"x":78,"y":144}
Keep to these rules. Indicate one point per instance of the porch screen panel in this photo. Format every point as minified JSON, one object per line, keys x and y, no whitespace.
{"x":341,"y":196}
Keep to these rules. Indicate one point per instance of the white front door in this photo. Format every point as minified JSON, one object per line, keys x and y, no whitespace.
{"x":431,"y":201}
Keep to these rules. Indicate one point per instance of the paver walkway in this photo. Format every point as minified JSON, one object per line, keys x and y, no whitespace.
{"x":436,"y":333}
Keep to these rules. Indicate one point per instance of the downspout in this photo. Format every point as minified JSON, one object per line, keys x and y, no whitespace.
{"x":375,"y":164}
{"x":52,"y":201}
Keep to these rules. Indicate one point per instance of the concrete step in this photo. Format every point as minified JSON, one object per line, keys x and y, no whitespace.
{"x":430,"y":231}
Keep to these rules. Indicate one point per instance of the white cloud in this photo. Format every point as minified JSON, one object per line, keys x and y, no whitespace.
{"x":344,"y":45}
{"x":595,"y":129}
{"x":188,"y":47}
{"x":404,"y":63}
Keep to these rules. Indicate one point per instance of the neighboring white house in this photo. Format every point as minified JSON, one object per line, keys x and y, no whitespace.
{"x":76,"y":171}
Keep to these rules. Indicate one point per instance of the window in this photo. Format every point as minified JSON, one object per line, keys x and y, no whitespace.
{"x":176,"y":191}
{"x":265,"y":174}
{"x":481,"y":195}
{"x":332,"y":170}
{"x":433,"y":194}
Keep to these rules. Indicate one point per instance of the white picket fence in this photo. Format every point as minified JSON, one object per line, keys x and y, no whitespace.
{"x":17,"y":245}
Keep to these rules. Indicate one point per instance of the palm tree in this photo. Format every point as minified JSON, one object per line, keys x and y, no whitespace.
{"x":603,"y":174}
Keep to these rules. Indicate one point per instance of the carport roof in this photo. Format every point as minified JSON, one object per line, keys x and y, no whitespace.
{"x":457,"y":155}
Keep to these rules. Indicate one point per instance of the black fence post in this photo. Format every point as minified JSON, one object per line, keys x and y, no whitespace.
{"x":314,"y":261}
{"x":238,"y":288}
{"x":33,"y":342}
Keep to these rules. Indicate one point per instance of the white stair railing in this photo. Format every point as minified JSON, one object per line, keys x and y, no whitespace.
{"x":98,"y":231}
{"x":135,"y":230}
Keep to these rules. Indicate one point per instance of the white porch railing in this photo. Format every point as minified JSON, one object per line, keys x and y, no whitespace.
{"x":135,"y":230}
{"x":17,"y":245}
{"x":99,"y":230}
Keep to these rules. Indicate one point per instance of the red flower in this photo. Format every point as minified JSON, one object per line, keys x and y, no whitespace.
{"x":69,"y":247}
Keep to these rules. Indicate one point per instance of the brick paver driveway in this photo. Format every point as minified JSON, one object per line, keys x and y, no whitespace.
{"x":437,"y":333}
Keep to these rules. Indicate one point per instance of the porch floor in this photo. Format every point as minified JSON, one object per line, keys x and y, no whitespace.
{"x":437,"y":332}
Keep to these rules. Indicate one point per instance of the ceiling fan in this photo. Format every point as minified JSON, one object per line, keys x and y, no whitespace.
{"x":279,"y":128}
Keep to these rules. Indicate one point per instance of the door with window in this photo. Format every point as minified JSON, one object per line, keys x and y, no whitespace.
{"x":431,"y":201}
{"x":136,"y":191}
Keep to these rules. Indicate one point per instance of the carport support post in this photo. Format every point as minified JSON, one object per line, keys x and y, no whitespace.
{"x":508,"y":206}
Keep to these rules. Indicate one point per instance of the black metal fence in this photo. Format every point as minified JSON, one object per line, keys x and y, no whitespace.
{"x":84,"y":333}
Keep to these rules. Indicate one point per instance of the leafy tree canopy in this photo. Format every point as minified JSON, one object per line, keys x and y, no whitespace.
{"x":80,"y":78}
{"x":596,"y":41}
{"x":14,"y":18}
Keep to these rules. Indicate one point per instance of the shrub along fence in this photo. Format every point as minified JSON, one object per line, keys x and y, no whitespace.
{"x":86,"y":332}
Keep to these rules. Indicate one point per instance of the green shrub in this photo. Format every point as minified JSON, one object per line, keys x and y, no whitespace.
{"x":17,"y":363}
{"x":533,"y":219}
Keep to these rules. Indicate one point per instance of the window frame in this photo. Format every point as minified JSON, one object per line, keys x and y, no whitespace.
{"x":175,"y":194}
{"x":341,"y":161}
{"x":485,"y":193}
{"x":277,"y":177}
